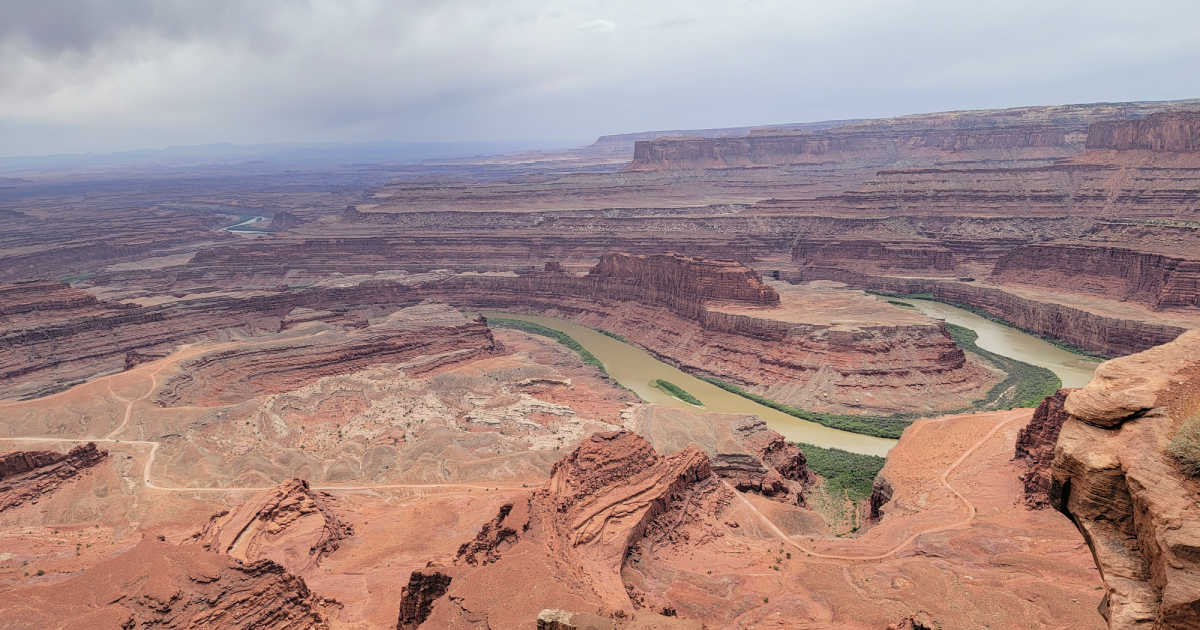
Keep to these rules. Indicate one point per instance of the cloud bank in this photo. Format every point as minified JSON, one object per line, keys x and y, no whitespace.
{"x":87,"y":75}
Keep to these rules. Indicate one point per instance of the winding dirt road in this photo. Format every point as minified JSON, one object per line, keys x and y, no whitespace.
{"x":943,"y":478}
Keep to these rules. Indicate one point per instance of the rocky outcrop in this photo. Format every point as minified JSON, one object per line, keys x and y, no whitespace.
{"x":687,"y":276}
{"x":289,"y":524}
{"x":610,"y":499}
{"x":26,"y":476}
{"x":417,"y":597}
{"x":881,"y":493}
{"x":495,"y":536}
{"x":1035,"y":448}
{"x":875,"y":256}
{"x":161,"y":585}
{"x":1129,"y":498}
{"x":1167,"y":131}
{"x":1156,"y":280}
{"x":920,"y":621}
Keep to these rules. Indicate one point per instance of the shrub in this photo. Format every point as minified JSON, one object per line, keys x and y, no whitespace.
{"x":1185,"y":446}
{"x":676,"y":391}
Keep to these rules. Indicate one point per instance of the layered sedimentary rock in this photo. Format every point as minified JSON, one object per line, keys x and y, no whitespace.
{"x":290,"y":525}
{"x":609,"y":496}
{"x":1167,"y":131}
{"x":1107,"y":335}
{"x":1156,"y":280}
{"x":161,"y":585}
{"x":429,"y":335}
{"x":1131,"y":500}
{"x":26,"y":476}
{"x":1035,"y":448}
{"x":772,"y":148}
{"x":687,"y":276}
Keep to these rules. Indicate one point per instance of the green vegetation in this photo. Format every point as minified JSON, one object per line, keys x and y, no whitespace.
{"x":676,"y":391}
{"x":1026,"y":385}
{"x":901,"y":304}
{"x":560,"y":337}
{"x":843,"y":471}
{"x":614,"y":335}
{"x":76,"y":277}
{"x":878,"y":426}
{"x":1185,"y":446}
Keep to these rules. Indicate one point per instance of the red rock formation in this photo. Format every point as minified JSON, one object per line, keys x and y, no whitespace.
{"x":160,"y":585}
{"x":416,"y":599}
{"x":875,"y":256}
{"x":674,"y":278}
{"x":25,"y":476}
{"x":289,"y":524}
{"x":1035,"y":448}
{"x":1155,"y":280}
{"x":495,"y":536}
{"x":920,"y":621}
{"x":1167,"y":131}
{"x":1131,"y":500}
{"x":603,"y":500}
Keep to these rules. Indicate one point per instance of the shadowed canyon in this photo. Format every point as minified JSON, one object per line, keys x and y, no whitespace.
{"x":930,"y":371}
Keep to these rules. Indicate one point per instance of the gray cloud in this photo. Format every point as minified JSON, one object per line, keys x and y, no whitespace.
{"x":86,"y":75}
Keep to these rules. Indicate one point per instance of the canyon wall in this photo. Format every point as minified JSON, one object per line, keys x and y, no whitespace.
{"x":1167,"y":131}
{"x":774,"y":148}
{"x":1156,"y":280}
{"x":1109,"y":336}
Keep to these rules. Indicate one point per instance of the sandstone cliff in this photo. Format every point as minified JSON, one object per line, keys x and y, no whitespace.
{"x":1167,"y":131}
{"x":1156,"y":280}
{"x":26,"y":476}
{"x":1132,"y":502}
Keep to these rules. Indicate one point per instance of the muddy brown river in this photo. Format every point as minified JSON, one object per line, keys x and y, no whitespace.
{"x":636,"y":369}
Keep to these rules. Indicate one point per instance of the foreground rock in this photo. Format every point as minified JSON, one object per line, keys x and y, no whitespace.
{"x":568,"y":543}
{"x":290,"y":525}
{"x":1035,"y":448}
{"x":1134,"y":505}
{"x":26,"y":476}
{"x":160,"y":585}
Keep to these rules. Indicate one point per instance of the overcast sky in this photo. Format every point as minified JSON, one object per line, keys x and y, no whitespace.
{"x":85,"y":75}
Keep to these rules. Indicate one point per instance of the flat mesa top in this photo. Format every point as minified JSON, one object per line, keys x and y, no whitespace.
{"x":825,"y":303}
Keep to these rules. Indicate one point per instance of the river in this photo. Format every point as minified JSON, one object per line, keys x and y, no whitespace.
{"x":636,"y":369}
{"x":1073,"y":369}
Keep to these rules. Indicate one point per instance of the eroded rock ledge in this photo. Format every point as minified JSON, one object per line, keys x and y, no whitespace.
{"x":1135,"y":507}
{"x":26,"y":476}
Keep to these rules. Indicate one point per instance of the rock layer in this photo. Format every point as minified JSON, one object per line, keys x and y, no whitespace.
{"x":26,"y":476}
{"x":1133,"y":503}
{"x":161,"y":585}
{"x":290,"y":525}
{"x":1035,"y":448}
{"x":606,"y":498}
{"x":1167,"y":131}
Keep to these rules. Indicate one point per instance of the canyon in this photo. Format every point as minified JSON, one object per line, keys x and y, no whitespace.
{"x":357,"y":413}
